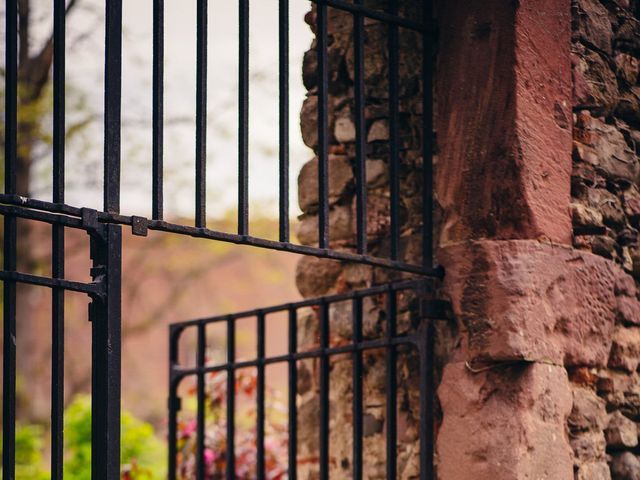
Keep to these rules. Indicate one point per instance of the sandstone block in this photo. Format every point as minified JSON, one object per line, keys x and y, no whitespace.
{"x":316,"y":276}
{"x":625,"y":466}
{"x":625,"y":351}
{"x":593,"y":471}
{"x":621,"y":432}
{"x":589,"y":446}
{"x":588,"y":413}
{"x":592,"y":24}
{"x":504,"y":424}
{"x":340,"y":226}
{"x":340,"y":177}
{"x":524,"y":299}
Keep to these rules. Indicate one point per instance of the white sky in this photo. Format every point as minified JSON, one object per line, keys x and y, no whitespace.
{"x":85,"y":61}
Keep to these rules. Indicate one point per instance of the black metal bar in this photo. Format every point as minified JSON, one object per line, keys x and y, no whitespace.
{"x":426,"y":353}
{"x":292,"y":394}
{"x":284,"y":118}
{"x":391,"y":387}
{"x":112,"y":104}
{"x":324,"y":393}
{"x":361,"y":133}
{"x":174,"y":402}
{"x":434,"y":271}
{"x":260,"y":386}
{"x":428,"y":40}
{"x":10,"y":243}
{"x":231,"y":396}
{"x":323,"y":134}
{"x":57,"y":240}
{"x":243,"y":119}
{"x":11,"y":98}
{"x":343,"y":349}
{"x":9,"y":275}
{"x":106,"y":252}
{"x":201,"y":114}
{"x":58,"y":100}
{"x":357,"y":400}
{"x":394,"y":151}
{"x":157,"y":135}
{"x":373,"y":14}
{"x":200,"y":362}
{"x":397,"y":286}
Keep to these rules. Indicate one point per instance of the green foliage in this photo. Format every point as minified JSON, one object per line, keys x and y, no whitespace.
{"x":29,"y":444}
{"x":142,"y":457}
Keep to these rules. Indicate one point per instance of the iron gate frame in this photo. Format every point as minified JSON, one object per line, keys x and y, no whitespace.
{"x":105,"y":227}
{"x":421,"y":338}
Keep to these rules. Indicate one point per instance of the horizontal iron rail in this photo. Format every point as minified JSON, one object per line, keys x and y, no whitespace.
{"x":394,"y":287}
{"x":88,"y":288}
{"x":302,"y":355}
{"x":373,"y":14}
{"x":207,"y":233}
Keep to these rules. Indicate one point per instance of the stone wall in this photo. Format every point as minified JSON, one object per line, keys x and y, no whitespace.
{"x":539,"y":239}
{"x":605,"y":189}
{"x":320,"y":277}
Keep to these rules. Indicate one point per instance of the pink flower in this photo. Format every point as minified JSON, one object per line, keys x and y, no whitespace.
{"x":189,"y":429}
{"x":209,"y":456}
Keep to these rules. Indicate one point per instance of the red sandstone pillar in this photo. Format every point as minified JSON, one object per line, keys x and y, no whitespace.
{"x":503,"y":183}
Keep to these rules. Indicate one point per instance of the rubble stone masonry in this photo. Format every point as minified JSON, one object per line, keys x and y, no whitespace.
{"x":537,"y":185}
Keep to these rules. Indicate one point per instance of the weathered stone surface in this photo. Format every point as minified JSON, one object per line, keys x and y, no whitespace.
{"x":592,"y":25}
{"x":583,"y":216}
{"x":531,"y":300}
{"x":378,"y":131}
{"x":377,"y":173}
{"x":316,"y":276}
{"x":340,"y":177}
{"x":625,"y":351}
{"x":496,"y":177}
{"x":588,"y":412}
{"x":628,"y":310}
{"x":344,"y":130}
{"x":621,"y":432}
{"x":625,"y":466}
{"x":593,"y":471}
{"x":508,"y":423}
{"x":596,"y":85}
{"x":340,"y":226}
{"x":589,"y":446}
{"x":604,"y":147}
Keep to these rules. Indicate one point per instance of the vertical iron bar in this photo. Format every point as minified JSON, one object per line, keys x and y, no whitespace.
{"x":231,"y":395}
{"x":11,"y":97}
{"x":200,"y":362}
{"x":324,"y":392}
{"x":357,"y":389}
{"x":106,"y":357}
{"x":57,"y":247}
{"x":428,"y":39}
{"x":158,"y":109}
{"x":394,"y":160}
{"x":201,"y":114}
{"x":361,"y":135}
{"x":391,"y":387}
{"x":323,"y":138}
{"x":112,"y":104}
{"x":292,"y":392}
{"x":173,"y":430}
{"x":284,"y":118}
{"x":243,"y":120}
{"x":10,"y":241}
{"x":174,"y":336}
{"x":260,"y":413}
{"x":426,"y":335}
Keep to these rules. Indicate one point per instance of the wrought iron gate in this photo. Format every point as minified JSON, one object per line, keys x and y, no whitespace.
{"x":104,"y":227}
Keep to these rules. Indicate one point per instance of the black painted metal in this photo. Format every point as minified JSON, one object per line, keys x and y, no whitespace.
{"x":420,"y":340}
{"x":104,"y":228}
